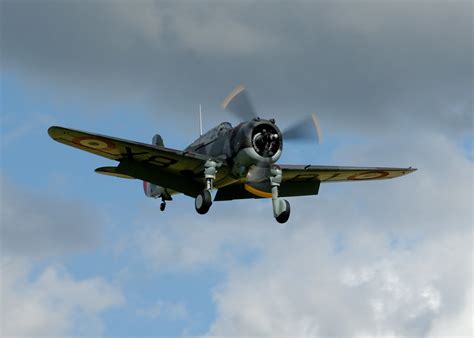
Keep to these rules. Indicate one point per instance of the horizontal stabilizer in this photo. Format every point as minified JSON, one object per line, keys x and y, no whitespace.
{"x":112,"y":171}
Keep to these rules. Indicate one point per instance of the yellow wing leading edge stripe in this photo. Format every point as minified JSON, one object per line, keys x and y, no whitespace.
{"x":257,"y":192}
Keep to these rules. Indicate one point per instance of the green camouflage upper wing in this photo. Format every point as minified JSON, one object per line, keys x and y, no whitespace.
{"x":119,"y":149}
{"x":179,"y":170}
{"x":312,"y":173}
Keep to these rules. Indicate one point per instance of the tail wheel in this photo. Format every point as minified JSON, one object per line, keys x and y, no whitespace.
{"x":285,"y":215}
{"x":203,"y":202}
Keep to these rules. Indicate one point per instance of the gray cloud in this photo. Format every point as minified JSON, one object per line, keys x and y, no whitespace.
{"x":35,"y":225}
{"x":362,"y":65}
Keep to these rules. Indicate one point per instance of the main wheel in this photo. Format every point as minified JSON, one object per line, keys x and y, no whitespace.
{"x":203,"y":202}
{"x":162,"y":206}
{"x":285,"y":215}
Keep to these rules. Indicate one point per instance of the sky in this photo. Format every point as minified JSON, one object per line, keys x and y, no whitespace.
{"x":88,"y":255}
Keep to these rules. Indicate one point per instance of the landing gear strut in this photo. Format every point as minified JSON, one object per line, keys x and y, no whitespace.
{"x":203,"y":200}
{"x":164,"y":198}
{"x":281,"y":207}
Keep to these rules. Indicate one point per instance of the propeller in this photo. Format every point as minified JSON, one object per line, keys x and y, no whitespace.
{"x":307,"y":129}
{"x":239,"y":104}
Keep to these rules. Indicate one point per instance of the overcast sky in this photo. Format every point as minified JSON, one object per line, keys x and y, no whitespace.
{"x":392,"y":84}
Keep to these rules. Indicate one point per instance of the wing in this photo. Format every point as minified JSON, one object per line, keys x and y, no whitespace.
{"x":174,"y":169}
{"x":304,"y":180}
{"x":314,"y":173}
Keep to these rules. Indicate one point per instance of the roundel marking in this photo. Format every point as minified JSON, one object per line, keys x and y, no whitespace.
{"x":368,"y":175}
{"x":94,"y":143}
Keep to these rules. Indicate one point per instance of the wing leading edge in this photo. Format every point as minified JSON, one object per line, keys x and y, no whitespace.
{"x":177,"y":170}
{"x":304,"y":180}
{"x":323,"y":174}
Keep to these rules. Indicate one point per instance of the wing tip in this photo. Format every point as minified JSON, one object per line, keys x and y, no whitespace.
{"x":52,"y":131}
{"x":409,"y":170}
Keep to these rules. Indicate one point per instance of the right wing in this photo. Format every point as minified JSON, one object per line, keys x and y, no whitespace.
{"x":174,"y":169}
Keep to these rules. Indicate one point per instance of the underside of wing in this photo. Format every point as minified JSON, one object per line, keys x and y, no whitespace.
{"x":287,"y":189}
{"x":314,"y":173}
{"x":178,"y":170}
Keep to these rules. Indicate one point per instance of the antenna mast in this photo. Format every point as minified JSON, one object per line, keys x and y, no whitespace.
{"x":200,"y":120}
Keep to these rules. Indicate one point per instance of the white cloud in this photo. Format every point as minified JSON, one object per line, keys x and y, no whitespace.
{"x":47,"y":301}
{"x":163,"y":309}
{"x":403,"y":267}
{"x":52,"y":304}
{"x":303,"y":288}
{"x":458,"y":324}
{"x":390,"y":258}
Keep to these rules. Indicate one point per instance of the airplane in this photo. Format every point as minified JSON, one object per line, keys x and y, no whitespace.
{"x":238,"y":162}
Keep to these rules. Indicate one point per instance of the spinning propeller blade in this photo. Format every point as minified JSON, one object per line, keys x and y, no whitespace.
{"x":306,"y":129}
{"x":239,"y":104}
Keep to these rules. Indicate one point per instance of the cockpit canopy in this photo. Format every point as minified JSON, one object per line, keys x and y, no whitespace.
{"x":223,"y":128}
{"x":212,"y":134}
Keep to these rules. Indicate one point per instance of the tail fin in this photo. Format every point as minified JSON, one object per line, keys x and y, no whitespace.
{"x":158,"y":140}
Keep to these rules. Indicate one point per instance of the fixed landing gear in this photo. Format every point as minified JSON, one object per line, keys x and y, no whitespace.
{"x":203,"y":200}
{"x":164,"y":198}
{"x":281,"y":207}
{"x":285,"y":214}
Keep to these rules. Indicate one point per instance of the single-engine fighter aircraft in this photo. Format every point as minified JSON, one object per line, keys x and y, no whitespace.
{"x":240,"y":161}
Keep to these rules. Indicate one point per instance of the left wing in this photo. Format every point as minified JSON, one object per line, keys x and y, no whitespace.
{"x":318,"y":173}
{"x":174,"y":169}
{"x":304,"y":180}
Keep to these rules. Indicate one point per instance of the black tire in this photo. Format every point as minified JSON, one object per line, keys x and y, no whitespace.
{"x":285,"y":215}
{"x":162,"y":206}
{"x":203,"y":202}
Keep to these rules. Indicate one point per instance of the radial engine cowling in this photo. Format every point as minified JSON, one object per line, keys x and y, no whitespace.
{"x":257,"y":142}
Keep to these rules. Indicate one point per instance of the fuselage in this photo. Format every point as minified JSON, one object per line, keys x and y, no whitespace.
{"x":255,"y":142}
